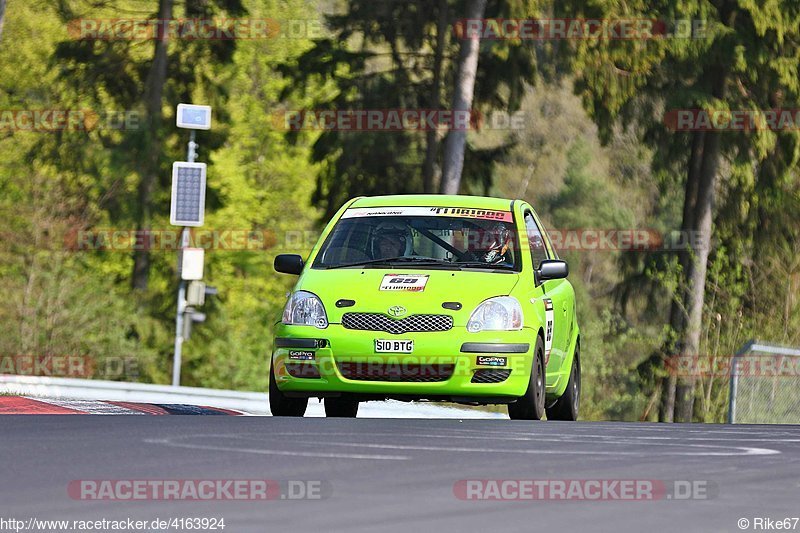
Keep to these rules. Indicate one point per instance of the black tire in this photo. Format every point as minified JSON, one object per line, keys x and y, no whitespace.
{"x":530,"y":406}
{"x":566,"y":407}
{"x":341,"y":408}
{"x":279,"y":404}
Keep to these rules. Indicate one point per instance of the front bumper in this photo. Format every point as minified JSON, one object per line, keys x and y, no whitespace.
{"x":327,"y":356}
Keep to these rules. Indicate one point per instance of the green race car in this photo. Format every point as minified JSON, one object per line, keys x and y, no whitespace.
{"x":429,"y":297}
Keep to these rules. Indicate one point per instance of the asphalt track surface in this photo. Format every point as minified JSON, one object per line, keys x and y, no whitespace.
{"x":393,"y":475}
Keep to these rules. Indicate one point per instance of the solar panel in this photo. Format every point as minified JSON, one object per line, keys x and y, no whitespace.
{"x":187,"y":207}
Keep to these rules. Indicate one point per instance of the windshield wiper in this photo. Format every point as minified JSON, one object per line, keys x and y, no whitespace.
{"x":425,"y":261}
{"x":400,"y":259}
{"x":481,"y":264}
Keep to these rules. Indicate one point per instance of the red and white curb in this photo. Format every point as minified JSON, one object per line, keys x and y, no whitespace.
{"x":24,"y":405}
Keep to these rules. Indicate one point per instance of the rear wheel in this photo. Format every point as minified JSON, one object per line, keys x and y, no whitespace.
{"x":566,"y":407}
{"x":341,"y":408}
{"x":530,"y":406}
{"x":279,"y":404}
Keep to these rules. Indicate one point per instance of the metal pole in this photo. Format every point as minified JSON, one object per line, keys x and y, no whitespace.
{"x":734,"y":386}
{"x":733,"y":389}
{"x":179,"y":312}
{"x":191,"y":154}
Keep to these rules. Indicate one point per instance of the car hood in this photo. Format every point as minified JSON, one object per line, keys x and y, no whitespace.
{"x":363,"y":286}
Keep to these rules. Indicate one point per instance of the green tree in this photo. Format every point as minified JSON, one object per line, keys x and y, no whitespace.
{"x":462,"y":102}
{"x":122,"y":74}
{"x":54,"y":185}
{"x":2,"y":15}
{"x":265,"y":185}
{"x":400,"y":54}
{"x":60,"y":302}
{"x":745,"y":48}
{"x":576,"y":184}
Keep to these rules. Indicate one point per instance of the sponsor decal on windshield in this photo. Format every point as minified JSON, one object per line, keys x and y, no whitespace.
{"x":460,"y":212}
{"x":404,"y":282}
{"x":487,"y":214}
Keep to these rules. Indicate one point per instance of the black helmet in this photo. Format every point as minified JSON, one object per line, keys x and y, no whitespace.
{"x":496,"y":241}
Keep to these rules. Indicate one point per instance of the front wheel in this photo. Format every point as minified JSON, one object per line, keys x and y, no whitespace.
{"x":566,"y":407}
{"x":530,"y":406}
{"x":341,"y":408}
{"x":279,"y":404}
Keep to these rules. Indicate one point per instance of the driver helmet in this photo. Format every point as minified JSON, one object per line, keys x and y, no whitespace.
{"x":497,"y":240}
{"x":391,"y":239}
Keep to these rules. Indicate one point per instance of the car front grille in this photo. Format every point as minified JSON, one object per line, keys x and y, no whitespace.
{"x":409,"y":324}
{"x":430,"y":373}
{"x":491,"y":375}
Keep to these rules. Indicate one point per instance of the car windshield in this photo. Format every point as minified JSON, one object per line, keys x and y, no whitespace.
{"x":429,"y":236}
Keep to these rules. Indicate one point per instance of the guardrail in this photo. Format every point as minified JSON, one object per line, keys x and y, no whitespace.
{"x":255,"y":403}
{"x":117,"y":391}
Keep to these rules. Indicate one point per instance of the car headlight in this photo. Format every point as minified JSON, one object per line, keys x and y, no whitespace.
{"x":496,"y":314}
{"x":305,"y":309}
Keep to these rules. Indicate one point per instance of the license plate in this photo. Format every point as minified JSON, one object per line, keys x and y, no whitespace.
{"x":394,"y":346}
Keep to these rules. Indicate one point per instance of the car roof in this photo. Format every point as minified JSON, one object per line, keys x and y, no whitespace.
{"x":434,"y":200}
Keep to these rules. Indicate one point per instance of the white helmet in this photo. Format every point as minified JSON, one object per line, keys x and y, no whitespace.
{"x":393,"y":230}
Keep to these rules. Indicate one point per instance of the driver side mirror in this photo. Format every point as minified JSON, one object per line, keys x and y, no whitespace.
{"x":289,"y":264}
{"x":552,"y":269}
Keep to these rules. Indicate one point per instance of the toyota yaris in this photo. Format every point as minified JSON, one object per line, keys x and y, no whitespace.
{"x":429,"y":297}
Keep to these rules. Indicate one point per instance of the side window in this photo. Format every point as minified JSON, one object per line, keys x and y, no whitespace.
{"x":551,"y":251}
{"x":535,"y":240}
